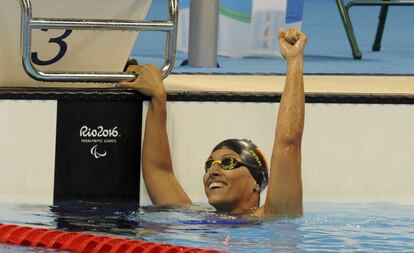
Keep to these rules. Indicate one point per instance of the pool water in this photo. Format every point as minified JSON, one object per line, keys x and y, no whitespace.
{"x":325,"y":227}
{"x":17,"y":249}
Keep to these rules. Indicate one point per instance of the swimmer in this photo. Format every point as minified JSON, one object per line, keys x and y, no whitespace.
{"x":236,"y":171}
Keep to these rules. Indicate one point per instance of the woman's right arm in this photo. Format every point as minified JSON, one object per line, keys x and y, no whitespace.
{"x":162,"y":186}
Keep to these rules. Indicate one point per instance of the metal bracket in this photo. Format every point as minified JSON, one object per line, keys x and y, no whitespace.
{"x":28,"y":23}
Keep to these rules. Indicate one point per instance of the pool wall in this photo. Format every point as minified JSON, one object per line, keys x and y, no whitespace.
{"x":357,"y":140}
{"x":63,"y":145}
{"x":356,"y":146}
{"x":350,"y":152}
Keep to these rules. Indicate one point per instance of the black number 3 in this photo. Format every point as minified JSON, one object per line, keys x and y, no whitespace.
{"x":63,"y":47}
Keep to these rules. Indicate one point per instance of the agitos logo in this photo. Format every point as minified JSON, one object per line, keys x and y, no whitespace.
{"x":95,"y":152}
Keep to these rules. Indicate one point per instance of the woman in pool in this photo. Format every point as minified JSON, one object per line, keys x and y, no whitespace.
{"x":236,"y":170}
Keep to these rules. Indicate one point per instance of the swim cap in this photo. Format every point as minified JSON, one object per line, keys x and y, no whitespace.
{"x":249,"y":153}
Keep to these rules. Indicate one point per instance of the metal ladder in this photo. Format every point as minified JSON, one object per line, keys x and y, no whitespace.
{"x":28,"y":23}
{"x":346,"y":20}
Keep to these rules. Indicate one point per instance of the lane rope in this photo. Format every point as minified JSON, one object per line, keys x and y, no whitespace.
{"x":85,"y":243}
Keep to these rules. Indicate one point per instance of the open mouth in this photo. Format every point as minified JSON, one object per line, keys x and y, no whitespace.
{"x":216,"y":185}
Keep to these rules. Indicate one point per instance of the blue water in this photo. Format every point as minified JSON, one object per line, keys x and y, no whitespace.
{"x":380,"y":227}
{"x":17,"y":249}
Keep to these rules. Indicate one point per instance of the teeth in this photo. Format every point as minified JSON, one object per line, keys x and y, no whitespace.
{"x":215,"y":185}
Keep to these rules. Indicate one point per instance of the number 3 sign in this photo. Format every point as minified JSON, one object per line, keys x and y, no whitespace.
{"x":60,"y":50}
{"x":63,"y":47}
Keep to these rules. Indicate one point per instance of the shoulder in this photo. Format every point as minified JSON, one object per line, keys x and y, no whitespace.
{"x":258,"y":213}
{"x":262,"y":213}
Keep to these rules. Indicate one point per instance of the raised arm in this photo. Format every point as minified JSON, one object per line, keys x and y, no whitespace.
{"x":162,"y":186}
{"x":284,"y":194}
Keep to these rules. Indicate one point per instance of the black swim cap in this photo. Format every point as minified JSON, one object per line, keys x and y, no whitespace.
{"x":249,"y":153}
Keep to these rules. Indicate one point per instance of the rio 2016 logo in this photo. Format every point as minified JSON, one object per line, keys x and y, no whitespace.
{"x":100,"y":132}
{"x":98,"y":135}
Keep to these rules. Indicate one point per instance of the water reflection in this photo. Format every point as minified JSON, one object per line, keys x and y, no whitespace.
{"x":197,"y":227}
{"x":325,"y":227}
{"x":99,"y":218}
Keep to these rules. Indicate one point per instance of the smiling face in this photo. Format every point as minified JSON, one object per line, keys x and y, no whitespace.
{"x":233,"y":191}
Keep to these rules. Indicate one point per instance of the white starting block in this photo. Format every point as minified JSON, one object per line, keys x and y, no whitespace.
{"x":74,"y":41}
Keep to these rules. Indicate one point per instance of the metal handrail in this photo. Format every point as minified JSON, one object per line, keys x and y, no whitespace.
{"x":346,"y":20}
{"x":28,"y":23}
{"x":384,"y":3}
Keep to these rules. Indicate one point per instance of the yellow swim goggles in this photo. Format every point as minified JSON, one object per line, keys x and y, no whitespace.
{"x":228,"y":163}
